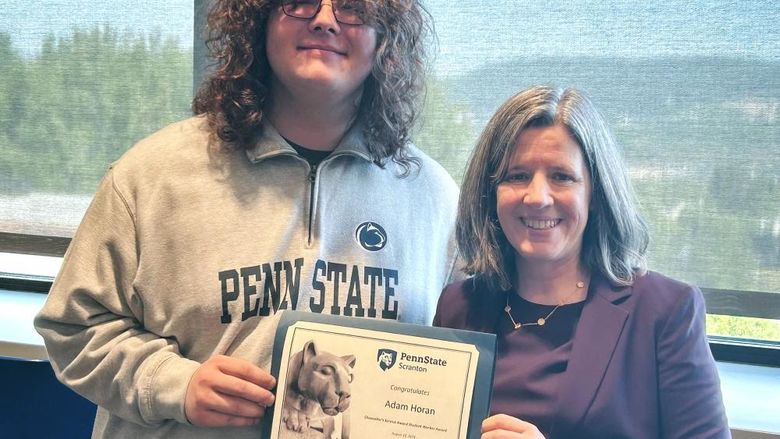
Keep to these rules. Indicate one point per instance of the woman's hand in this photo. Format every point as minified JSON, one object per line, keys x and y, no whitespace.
{"x":507,"y":427}
{"x":227,"y":391}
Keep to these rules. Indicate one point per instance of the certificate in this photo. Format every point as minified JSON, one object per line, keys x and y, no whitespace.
{"x":343,"y":377}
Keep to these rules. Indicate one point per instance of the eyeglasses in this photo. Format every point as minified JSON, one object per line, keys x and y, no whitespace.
{"x":345,"y":11}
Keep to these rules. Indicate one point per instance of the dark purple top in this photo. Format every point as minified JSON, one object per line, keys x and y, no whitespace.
{"x":530,"y":361}
{"x":638,"y":365}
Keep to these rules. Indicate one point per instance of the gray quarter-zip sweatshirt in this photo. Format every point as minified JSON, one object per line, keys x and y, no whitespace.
{"x":188,"y":251}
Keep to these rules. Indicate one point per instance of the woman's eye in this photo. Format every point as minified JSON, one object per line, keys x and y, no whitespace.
{"x":515,"y":178}
{"x":327,"y":370}
{"x":559,"y":176}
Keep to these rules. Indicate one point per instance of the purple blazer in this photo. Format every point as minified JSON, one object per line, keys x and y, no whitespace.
{"x":640,"y":365}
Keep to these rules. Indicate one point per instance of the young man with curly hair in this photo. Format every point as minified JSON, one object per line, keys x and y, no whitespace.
{"x":295,"y":186}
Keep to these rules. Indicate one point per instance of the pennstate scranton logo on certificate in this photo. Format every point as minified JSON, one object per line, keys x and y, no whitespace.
{"x":351,"y":382}
{"x":386,"y":358}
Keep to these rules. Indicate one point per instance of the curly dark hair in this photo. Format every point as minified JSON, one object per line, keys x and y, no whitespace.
{"x":234,"y":95}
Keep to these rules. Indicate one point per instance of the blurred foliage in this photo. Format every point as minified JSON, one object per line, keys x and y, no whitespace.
{"x":76,"y":106}
{"x":447,"y":128}
{"x":743,"y":327}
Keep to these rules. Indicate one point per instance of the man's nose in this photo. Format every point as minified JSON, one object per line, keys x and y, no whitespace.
{"x":325,"y":19}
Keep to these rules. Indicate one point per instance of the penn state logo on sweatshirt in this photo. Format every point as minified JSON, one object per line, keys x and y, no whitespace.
{"x":335,"y":287}
{"x":371,"y":236}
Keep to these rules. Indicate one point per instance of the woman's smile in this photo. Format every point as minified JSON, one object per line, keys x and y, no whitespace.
{"x":540,"y":224}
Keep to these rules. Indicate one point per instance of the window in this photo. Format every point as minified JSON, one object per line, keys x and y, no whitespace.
{"x":80,"y":82}
{"x":692,"y":92}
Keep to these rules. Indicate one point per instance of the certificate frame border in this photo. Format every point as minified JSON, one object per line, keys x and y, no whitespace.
{"x":295,"y":328}
{"x":484,"y":343}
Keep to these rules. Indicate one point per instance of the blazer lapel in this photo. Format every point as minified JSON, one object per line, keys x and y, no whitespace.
{"x":595,"y":339}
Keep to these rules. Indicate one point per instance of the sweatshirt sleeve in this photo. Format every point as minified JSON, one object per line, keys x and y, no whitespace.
{"x":92,"y":322}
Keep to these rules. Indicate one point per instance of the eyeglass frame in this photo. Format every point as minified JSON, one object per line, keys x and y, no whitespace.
{"x":285,"y":3}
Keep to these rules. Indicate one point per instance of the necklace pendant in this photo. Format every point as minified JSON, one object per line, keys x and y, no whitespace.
{"x":541,"y":321}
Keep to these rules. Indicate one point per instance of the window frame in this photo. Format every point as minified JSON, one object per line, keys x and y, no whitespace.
{"x":736,"y":303}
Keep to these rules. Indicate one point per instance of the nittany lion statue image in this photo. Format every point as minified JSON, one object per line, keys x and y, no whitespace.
{"x":318,"y":388}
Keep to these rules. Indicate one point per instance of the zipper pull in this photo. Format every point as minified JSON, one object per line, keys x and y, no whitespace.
{"x":313,"y":173}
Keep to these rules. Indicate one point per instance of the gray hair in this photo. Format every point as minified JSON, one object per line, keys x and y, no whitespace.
{"x":615,"y":238}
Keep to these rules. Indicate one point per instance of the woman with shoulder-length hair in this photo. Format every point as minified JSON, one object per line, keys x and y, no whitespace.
{"x":294,"y":187}
{"x":590,"y":343}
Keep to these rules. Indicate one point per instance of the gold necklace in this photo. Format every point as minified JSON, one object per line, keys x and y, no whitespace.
{"x":541,"y":321}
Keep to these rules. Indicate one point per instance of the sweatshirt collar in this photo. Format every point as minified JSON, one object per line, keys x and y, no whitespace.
{"x":272,"y":144}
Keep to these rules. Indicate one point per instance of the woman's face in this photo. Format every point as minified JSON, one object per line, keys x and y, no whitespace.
{"x":319,"y":54}
{"x":544,"y":198}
